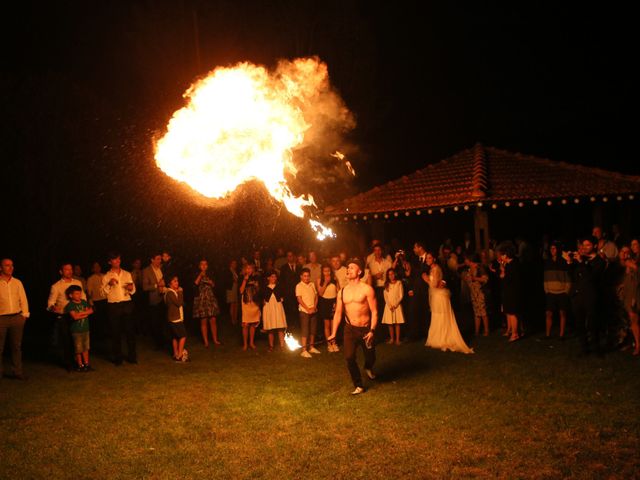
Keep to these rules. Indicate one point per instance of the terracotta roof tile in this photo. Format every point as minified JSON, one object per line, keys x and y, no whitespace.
{"x":487,"y":174}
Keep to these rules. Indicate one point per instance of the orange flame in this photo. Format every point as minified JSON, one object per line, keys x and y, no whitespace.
{"x":244,"y":123}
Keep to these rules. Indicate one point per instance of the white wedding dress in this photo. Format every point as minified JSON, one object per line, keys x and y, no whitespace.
{"x":443,"y":332}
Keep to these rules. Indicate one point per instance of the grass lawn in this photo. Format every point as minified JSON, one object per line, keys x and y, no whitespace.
{"x":525,"y":410}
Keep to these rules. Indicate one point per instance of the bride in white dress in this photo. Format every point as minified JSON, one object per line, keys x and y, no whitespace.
{"x":443,"y":332}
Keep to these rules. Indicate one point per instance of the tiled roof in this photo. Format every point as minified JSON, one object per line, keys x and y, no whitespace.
{"x":488,"y":175}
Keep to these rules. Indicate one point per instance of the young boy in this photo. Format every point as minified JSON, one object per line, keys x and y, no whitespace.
{"x":79,"y":311}
{"x":174,"y":299}
{"x":307,"y":306}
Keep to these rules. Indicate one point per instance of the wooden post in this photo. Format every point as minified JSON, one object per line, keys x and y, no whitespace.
{"x":481,"y":228}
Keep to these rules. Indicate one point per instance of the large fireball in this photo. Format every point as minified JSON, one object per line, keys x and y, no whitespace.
{"x":244,"y":123}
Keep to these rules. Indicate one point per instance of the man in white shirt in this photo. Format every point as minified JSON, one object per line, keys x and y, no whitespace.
{"x":313,"y":266}
{"x":14,"y":311}
{"x":308,"y":307}
{"x":606,"y":248}
{"x":339,"y":271}
{"x":371,"y":256}
{"x":57,"y":295}
{"x":57,"y":301}
{"x":378,"y":266}
{"x":118,"y":286}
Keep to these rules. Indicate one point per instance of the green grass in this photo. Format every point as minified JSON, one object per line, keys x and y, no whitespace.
{"x":527,"y":410}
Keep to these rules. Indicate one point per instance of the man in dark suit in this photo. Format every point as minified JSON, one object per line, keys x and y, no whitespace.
{"x":420,"y":314}
{"x":587,"y":269}
{"x":289,"y":278}
{"x":153,"y":284}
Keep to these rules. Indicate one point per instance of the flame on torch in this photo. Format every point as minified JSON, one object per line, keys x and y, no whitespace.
{"x":292,"y":343}
{"x":244,"y":123}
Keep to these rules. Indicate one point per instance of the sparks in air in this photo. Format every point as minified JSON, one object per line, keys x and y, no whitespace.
{"x":245,"y":123}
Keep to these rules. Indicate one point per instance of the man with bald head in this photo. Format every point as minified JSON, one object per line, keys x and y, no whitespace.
{"x":14,"y":311}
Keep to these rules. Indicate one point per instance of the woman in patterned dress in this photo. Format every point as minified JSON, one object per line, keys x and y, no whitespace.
{"x":250,"y":291}
{"x":205,"y":304}
{"x":477,"y":279}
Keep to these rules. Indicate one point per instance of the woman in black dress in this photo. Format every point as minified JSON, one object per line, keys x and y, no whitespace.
{"x":511,"y":289}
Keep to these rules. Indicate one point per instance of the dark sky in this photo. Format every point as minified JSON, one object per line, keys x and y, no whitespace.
{"x":86,"y":84}
{"x":424,"y":81}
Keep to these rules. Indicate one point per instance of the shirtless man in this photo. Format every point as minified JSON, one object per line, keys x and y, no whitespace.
{"x":361,"y":318}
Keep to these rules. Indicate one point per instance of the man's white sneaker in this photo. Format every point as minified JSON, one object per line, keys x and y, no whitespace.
{"x":314,"y":350}
{"x":330,"y":348}
{"x":305,"y":354}
{"x":336,"y":348}
{"x":370,"y":373}
{"x":358,"y":391}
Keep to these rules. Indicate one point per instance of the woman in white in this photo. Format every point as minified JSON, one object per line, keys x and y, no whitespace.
{"x":393,"y":293}
{"x":443,"y":332}
{"x":273,"y":311}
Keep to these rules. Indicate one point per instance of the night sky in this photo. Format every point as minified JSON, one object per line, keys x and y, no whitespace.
{"x":85,"y":86}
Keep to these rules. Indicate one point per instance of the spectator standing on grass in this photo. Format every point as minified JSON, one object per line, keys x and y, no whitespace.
{"x":231,"y":285}
{"x":98,"y":302}
{"x":587,"y":269}
{"x":281,"y":259}
{"x":153,"y":283}
{"x":339,"y":271}
{"x":393,"y":317}
{"x":289,"y":278}
{"x":250,"y":290}
{"x":635,"y":250}
{"x":118,"y":286}
{"x":511,"y":282}
{"x":14,"y":311}
{"x":273,"y":317}
{"x":168,"y":264}
{"x":57,"y":301}
{"x":327,"y":287}
{"x":378,"y":267}
{"x":420,"y":315}
{"x":557,"y":284}
{"x":174,"y":299}
{"x":77,"y":275}
{"x":604,"y":247}
{"x":257,"y":262}
{"x":477,"y":279}
{"x":307,"y":297}
{"x":629,"y":295}
{"x":408,"y":278}
{"x":205,"y":304}
{"x":79,"y":310}
{"x":314,"y":267}
{"x":139,"y":301}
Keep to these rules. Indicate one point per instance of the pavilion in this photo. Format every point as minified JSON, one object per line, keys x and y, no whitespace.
{"x":486,"y":183}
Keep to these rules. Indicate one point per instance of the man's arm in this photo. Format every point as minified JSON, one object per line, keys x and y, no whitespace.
{"x":131,"y":285}
{"x":337,"y":317}
{"x":373,"y":307}
{"x":24,"y":304}
{"x":53,"y":294}
{"x":304,"y":305}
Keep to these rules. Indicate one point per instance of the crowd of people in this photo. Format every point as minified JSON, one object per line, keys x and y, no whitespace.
{"x":591,"y":288}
